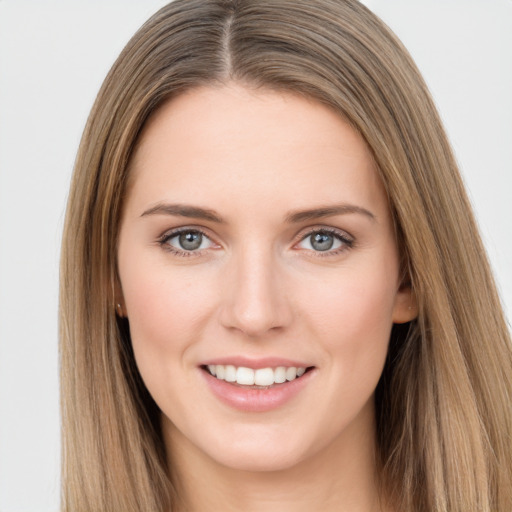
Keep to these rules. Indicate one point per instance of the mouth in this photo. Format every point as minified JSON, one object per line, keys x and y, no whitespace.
{"x":258,"y":385}
{"x":261,"y":378}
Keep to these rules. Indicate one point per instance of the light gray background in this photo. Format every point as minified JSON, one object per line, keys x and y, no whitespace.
{"x":53,"y":58}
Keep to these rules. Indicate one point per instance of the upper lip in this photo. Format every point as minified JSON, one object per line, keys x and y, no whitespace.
{"x":256,"y":363}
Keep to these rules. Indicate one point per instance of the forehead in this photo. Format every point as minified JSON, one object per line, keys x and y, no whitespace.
{"x":262,"y":147}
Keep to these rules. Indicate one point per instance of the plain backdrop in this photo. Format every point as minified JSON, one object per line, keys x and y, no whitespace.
{"x":53,"y":58}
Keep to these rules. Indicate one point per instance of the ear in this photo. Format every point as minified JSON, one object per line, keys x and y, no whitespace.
{"x":406,"y":307}
{"x":119,"y":300}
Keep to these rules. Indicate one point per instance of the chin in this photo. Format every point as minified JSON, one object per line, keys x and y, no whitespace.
{"x":262,"y":449}
{"x":258,"y":460}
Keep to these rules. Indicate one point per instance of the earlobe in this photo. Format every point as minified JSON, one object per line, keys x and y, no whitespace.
{"x":406,"y":307}
{"x":120,"y":310}
{"x":119,"y":301}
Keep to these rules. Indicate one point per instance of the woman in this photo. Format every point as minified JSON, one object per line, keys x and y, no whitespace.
{"x":283,"y":287}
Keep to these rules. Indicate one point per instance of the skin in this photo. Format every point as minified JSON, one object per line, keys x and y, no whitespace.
{"x":257,"y":288}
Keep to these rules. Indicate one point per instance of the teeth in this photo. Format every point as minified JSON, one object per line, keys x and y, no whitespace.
{"x":259,"y":377}
{"x":230,"y":373}
{"x":245,"y":376}
{"x":280,"y":375}
{"x":220,"y":371}
{"x":264,"y":377}
{"x":291,"y":373}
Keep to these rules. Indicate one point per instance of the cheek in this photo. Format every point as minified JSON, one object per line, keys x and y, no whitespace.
{"x":352,"y":316}
{"x":353,"y":302}
{"x":166,"y":309}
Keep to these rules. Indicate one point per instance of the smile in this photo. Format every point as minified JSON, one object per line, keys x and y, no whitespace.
{"x":263,"y":377}
{"x":257,"y":389}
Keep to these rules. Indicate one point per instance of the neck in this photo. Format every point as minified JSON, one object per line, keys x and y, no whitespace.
{"x":342,"y":476}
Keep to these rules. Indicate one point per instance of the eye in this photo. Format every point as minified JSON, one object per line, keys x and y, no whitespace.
{"x":188,"y":240}
{"x":324,"y":240}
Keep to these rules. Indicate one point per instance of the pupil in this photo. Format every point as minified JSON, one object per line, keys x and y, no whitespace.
{"x":190,"y":240}
{"x":322,"y":241}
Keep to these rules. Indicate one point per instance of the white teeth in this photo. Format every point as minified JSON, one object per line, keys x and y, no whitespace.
{"x":280,"y":375}
{"x":245,"y":376}
{"x":291,"y":373}
{"x":264,"y":377}
{"x":230,"y":374}
{"x":259,"y":377}
{"x":220,"y":371}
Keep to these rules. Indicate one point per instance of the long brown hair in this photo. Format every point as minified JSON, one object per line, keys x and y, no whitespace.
{"x":443,"y":404}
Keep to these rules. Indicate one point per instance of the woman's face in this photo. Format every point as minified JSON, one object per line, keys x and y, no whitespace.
{"x":256,"y":244}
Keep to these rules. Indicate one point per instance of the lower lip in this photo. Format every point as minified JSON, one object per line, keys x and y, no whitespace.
{"x":256,"y":400}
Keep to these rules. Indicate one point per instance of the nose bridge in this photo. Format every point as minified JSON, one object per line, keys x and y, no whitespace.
{"x":256,"y":301}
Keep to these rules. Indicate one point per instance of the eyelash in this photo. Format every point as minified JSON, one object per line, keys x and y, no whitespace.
{"x":164,"y":239}
{"x":346,"y":241}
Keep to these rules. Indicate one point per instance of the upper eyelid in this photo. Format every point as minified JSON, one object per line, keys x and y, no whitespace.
{"x":327,"y":229}
{"x":170,"y":233}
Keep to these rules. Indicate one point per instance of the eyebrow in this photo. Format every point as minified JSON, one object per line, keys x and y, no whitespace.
{"x":183,"y":210}
{"x":196,"y":212}
{"x":328,"y":211}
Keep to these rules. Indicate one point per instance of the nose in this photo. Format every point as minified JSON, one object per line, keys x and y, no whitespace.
{"x":255,"y":300}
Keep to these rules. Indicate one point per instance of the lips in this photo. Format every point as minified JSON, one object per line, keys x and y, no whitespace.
{"x":256,"y":386}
